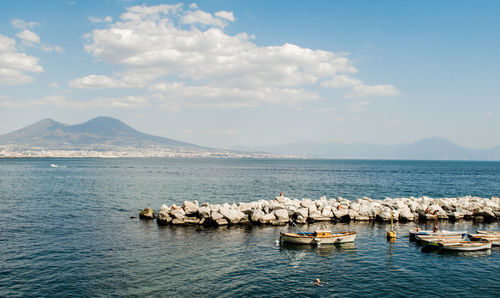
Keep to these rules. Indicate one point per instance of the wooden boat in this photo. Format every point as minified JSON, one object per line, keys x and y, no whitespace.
{"x":322,"y":236}
{"x":414,"y":233}
{"x":466,"y":245}
{"x":438,"y":238}
{"x":494,"y":238}
{"x":437,"y":243}
{"x":488,"y":232}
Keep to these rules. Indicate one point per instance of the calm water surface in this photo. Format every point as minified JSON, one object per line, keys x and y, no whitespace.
{"x":66,"y":231}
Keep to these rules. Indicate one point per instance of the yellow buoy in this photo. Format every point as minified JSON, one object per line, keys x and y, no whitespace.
{"x":391,"y":234}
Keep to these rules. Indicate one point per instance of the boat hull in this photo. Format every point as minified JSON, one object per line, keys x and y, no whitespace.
{"x":444,"y":233}
{"x":494,"y":238}
{"x":336,"y":238}
{"x":466,"y":246}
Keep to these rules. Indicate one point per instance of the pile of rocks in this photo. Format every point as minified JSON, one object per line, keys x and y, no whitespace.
{"x":281,"y":210}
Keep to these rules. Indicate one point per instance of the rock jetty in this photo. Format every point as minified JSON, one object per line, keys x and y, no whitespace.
{"x":281,"y":210}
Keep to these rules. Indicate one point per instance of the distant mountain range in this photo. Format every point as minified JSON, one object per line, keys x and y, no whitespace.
{"x":100,"y":131}
{"x":425,"y":149}
{"x":105,"y":133}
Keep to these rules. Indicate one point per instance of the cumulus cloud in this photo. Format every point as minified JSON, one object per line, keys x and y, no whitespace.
{"x":367,"y":90}
{"x":28,"y":37}
{"x":15,"y":65}
{"x":50,"y":48}
{"x":20,"y":24}
{"x":176,"y":94}
{"x":186,"y":57}
{"x":107,"y":19}
{"x":226,"y":15}
{"x":125,"y":102}
{"x":359,"y":89}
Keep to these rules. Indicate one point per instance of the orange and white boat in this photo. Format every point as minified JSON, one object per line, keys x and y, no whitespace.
{"x":322,"y":236}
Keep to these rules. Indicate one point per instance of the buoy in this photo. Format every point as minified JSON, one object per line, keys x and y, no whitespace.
{"x":391,"y":234}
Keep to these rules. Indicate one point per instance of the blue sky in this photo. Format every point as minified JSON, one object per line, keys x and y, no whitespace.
{"x":252,"y":73}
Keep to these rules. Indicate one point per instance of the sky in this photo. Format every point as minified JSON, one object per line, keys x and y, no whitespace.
{"x":257,"y":73}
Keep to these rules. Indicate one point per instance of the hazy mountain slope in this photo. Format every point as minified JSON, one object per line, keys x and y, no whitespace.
{"x":425,"y":149}
{"x":97,"y":131}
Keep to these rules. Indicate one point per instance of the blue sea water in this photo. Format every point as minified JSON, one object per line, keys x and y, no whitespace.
{"x":67,"y":231}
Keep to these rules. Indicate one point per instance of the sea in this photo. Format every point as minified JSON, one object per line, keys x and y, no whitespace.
{"x":68,"y":231}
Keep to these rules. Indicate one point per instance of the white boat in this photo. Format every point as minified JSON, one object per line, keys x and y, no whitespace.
{"x":322,"y":236}
{"x":53,"y":165}
{"x":466,"y":245}
{"x":494,"y":238}
{"x":488,"y":232}
{"x":434,"y":238}
{"x":414,"y":233}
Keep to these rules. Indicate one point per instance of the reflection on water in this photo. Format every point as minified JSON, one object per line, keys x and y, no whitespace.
{"x":322,"y":250}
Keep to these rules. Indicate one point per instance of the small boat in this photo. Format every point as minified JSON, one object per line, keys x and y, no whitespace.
{"x":53,"y":165}
{"x":488,"y":232}
{"x":466,"y":245}
{"x":414,"y":233}
{"x":494,"y":238}
{"x":322,"y":236}
{"x":438,"y":238}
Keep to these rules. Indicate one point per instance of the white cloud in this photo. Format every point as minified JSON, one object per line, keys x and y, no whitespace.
{"x":226,"y":15}
{"x":20,"y":24}
{"x":50,"y":48}
{"x":14,"y":65}
{"x":367,"y":90}
{"x":201,"y":17}
{"x":54,"y":85}
{"x":28,"y":37}
{"x":177,"y":94}
{"x":359,"y":89}
{"x":107,"y":19}
{"x":125,"y":102}
{"x":341,"y":81}
{"x":209,"y":67}
{"x":96,"y":82}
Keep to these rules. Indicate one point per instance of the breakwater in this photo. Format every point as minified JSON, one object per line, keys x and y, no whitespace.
{"x":280,"y":210}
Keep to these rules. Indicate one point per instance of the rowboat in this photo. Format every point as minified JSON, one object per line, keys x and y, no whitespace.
{"x":414,"y":233}
{"x":322,"y":236}
{"x":494,"y":238}
{"x":466,"y":245}
{"x":433,"y":238}
{"x":488,"y":232}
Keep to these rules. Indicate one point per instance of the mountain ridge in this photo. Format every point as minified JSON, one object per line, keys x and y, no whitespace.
{"x":432,"y":148}
{"x":97,"y":131}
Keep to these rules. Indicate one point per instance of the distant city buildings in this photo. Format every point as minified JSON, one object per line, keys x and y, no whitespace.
{"x":20,"y":151}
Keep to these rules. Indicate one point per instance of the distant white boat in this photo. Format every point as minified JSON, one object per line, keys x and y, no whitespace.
{"x":53,"y":165}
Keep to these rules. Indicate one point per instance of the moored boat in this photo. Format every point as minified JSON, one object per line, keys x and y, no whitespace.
{"x":414,"y":233}
{"x":488,"y":232}
{"x":439,"y":238}
{"x":494,"y":238}
{"x":466,"y":245}
{"x":322,"y":236}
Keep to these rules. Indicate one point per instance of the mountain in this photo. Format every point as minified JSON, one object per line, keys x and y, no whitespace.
{"x":98,"y":132}
{"x":426,"y":149}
